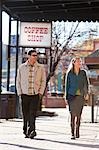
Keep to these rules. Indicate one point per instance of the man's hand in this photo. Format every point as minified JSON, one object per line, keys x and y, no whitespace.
{"x":40,"y":96}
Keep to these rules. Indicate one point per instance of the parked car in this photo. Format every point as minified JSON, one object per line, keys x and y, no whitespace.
{"x":12,"y":87}
{"x":4,"y":90}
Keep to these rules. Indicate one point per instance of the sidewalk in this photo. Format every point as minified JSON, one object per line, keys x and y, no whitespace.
{"x":53,"y":133}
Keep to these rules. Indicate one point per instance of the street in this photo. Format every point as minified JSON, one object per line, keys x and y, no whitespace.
{"x":53,"y":133}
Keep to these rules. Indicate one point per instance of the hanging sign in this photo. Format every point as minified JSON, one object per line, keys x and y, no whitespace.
{"x":35,"y":34}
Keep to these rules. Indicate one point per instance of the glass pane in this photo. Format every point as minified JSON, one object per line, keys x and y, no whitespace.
{"x":5,"y":28}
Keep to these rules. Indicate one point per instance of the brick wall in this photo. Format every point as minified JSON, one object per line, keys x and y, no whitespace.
{"x":53,"y":102}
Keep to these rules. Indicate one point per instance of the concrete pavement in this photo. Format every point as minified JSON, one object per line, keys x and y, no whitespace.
{"x":53,"y":133}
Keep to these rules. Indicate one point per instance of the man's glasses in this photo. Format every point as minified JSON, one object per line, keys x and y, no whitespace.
{"x":34,"y":55}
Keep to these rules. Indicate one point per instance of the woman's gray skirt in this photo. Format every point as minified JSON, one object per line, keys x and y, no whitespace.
{"x":76,"y":105}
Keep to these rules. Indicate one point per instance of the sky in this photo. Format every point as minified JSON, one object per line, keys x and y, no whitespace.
{"x":84,"y":31}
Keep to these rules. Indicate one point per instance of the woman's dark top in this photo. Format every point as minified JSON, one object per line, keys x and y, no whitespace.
{"x":76,"y":83}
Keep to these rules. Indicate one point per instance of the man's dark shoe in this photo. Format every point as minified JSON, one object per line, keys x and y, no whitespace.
{"x":25,"y":133}
{"x":32,"y":134}
{"x":26,"y":136}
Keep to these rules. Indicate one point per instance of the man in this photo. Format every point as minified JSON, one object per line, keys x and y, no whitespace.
{"x":31,"y":82}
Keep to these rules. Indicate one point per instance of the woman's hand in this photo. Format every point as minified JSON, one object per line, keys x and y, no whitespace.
{"x":86,"y":97}
{"x":66,"y":102}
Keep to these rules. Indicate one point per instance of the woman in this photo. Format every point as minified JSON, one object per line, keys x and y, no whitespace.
{"x":75,"y":91}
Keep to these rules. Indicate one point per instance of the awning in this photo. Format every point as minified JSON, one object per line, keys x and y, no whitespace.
{"x":45,"y":10}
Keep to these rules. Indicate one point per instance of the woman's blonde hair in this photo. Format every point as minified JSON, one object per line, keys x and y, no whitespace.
{"x":71,"y":65}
